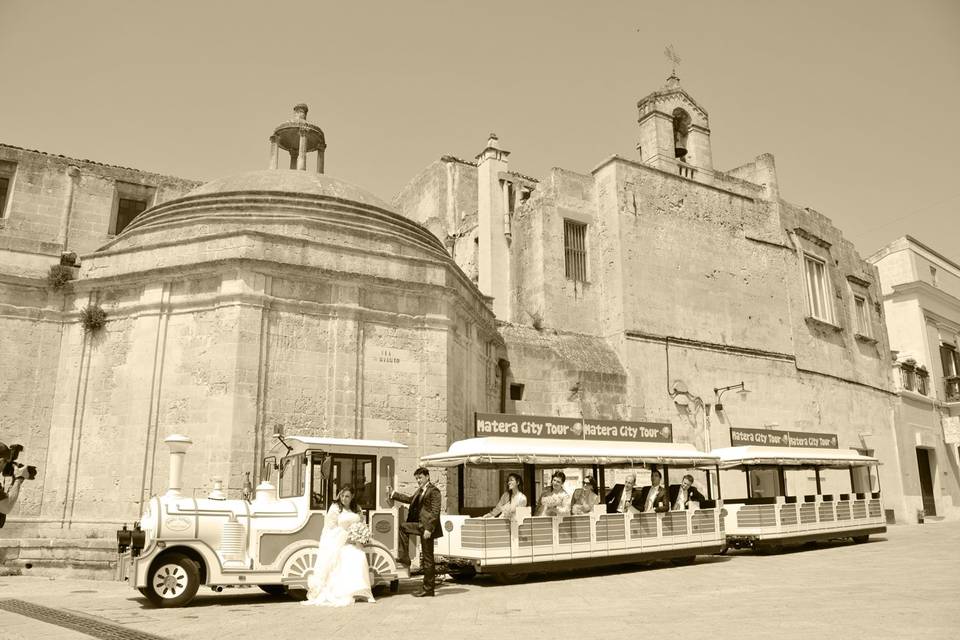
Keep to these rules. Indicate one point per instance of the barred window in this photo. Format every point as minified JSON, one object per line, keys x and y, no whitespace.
{"x":575,"y":250}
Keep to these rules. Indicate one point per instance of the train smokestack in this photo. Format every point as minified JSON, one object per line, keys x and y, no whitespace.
{"x":178,"y":449}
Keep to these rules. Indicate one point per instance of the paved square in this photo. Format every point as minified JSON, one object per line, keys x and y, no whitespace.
{"x":900,"y":585}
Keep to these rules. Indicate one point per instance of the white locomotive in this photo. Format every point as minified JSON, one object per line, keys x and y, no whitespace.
{"x":270,"y":541}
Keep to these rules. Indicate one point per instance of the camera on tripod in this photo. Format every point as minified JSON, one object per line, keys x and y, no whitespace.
{"x":10,"y":468}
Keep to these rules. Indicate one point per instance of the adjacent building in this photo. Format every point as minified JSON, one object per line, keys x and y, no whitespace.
{"x":641,"y":287}
{"x":921,"y":298}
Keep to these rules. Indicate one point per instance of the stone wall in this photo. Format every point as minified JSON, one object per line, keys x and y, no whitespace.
{"x":441,"y":196}
{"x":41,"y":200}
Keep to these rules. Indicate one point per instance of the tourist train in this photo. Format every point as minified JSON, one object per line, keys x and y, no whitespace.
{"x":270,"y":538}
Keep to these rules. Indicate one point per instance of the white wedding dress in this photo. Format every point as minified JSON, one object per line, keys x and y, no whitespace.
{"x":341,"y":572}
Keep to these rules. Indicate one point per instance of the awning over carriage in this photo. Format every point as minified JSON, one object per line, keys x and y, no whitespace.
{"x":543,"y":451}
{"x":792,"y":456}
{"x":301,"y":443}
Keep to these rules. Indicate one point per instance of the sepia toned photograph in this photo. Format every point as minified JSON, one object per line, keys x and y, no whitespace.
{"x":479,"y":319}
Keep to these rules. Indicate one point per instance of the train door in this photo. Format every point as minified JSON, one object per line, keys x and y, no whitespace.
{"x":357,"y":471}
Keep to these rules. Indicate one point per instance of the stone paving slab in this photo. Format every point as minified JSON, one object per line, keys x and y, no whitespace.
{"x":899,"y":585}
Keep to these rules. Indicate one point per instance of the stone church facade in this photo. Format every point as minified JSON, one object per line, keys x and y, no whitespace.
{"x":280,"y":300}
{"x":286,"y":300}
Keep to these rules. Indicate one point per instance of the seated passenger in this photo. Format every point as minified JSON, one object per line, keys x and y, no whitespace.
{"x":625,"y":498}
{"x":511,"y":499}
{"x":585,"y":498}
{"x":554,"y":501}
{"x":683,"y":494}
{"x":654,"y":497}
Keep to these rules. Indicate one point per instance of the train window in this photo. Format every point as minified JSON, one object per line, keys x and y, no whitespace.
{"x":699,"y":476}
{"x":267,"y":471}
{"x":834,"y":481}
{"x":291,"y":476}
{"x":865,"y":479}
{"x":483,"y":488}
{"x":734,"y":483}
{"x":360,"y":473}
{"x":800,"y":482}
{"x":573,"y":478}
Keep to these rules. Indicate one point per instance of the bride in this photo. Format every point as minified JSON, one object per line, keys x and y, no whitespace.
{"x":341,"y":572}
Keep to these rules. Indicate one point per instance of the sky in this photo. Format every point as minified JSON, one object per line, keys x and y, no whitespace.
{"x":859,"y":101}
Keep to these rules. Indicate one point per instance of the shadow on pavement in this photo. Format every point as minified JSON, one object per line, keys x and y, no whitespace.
{"x":608,"y":570}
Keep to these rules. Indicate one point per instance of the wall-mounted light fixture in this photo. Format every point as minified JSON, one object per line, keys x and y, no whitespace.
{"x":719,"y":391}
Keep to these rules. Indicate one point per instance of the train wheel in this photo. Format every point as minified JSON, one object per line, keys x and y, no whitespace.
{"x":382,"y":566}
{"x":273,"y":589}
{"x":462,"y":573}
{"x":861,"y":539}
{"x":511,"y":578}
{"x":299,"y":567}
{"x":174,"y":580}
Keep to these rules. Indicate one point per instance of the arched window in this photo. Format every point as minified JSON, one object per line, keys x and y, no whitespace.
{"x":681,"y":128}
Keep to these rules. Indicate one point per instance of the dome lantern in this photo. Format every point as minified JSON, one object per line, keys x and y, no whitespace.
{"x":297,"y":137}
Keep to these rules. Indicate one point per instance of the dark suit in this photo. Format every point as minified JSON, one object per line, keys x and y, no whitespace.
{"x":692,"y":494}
{"x":423,"y":515}
{"x":616,"y":494}
{"x":661,"y":501}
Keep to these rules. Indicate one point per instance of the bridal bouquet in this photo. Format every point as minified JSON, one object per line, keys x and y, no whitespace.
{"x":358,"y":534}
{"x":552,"y":503}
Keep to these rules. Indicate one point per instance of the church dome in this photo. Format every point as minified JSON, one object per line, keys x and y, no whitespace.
{"x":289,"y":181}
{"x":278,"y":215}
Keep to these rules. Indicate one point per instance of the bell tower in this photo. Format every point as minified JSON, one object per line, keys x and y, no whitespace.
{"x":674,"y":129}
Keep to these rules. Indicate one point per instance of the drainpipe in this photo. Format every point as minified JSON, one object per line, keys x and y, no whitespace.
{"x":504,"y":365}
{"x":73,"y":173}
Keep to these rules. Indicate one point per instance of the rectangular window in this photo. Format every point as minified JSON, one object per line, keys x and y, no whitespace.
{"x":575,"y":250}
{"x":291,"y":478}
{"x":127,"y":210}
{"x":863,"y":316}
{"x":7,"y":172}
{"x":951,"y":364}
{"x":818,"y":289}
{"x":4,"y":188}
{"x":951,"y":372}
{"x":129,"y":201}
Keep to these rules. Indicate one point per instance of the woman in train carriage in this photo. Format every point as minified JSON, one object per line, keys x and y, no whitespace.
{"x":585,"y":498}
{"x":511,"y":500}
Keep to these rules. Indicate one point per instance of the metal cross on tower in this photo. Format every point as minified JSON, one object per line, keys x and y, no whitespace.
{"x":672,"y":56}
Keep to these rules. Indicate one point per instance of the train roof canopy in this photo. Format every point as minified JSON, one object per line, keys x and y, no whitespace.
{"x":545,"y":451}
{"x":313,"y":442}
{"x":791,"y":456}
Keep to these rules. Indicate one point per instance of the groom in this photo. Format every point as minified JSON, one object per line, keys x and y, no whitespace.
{"x":423,"y":519}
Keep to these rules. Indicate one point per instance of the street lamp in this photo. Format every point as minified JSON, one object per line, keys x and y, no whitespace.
{"x":719,"y":391}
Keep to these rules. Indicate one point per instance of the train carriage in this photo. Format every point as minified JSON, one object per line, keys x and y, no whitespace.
{"x":763,"y":514}
{"x":510,"y":548}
